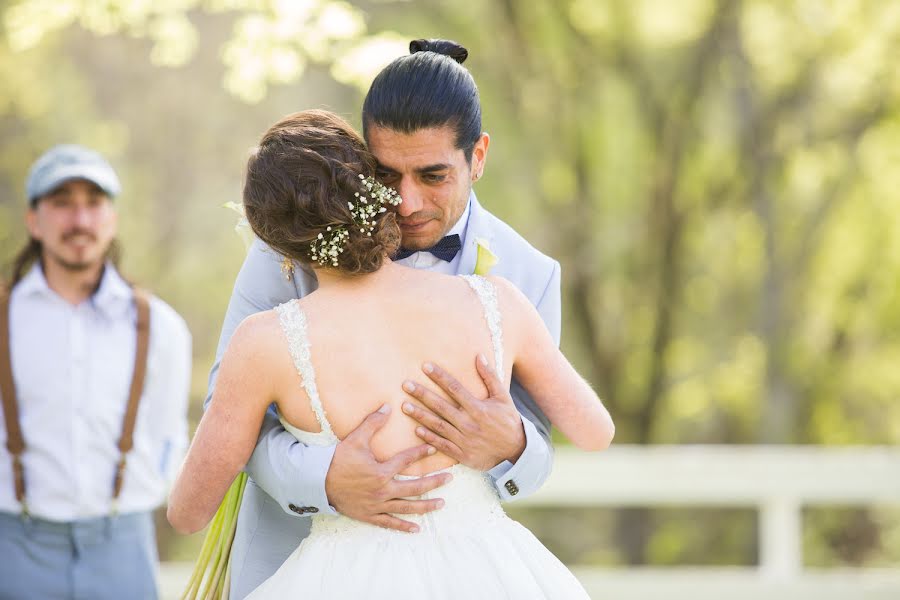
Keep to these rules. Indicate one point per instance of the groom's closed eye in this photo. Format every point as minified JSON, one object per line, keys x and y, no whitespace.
{"x":387,"y":176}
{"x":433,"y":174}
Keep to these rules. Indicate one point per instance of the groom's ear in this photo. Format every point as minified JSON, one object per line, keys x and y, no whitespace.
{"x":479,"y":155}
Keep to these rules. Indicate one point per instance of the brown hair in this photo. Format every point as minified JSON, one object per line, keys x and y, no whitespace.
{"x":298,"y":183}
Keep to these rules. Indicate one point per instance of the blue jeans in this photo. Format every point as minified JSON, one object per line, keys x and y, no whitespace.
{"x":91,"y":559}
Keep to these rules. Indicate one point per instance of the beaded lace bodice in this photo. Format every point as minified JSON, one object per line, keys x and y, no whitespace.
{"x":293,"y":323}
{"x":469,"y":491}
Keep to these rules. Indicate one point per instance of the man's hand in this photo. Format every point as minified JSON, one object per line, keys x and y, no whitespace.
{"x":478,"y":433}
{"x":361,"y":487}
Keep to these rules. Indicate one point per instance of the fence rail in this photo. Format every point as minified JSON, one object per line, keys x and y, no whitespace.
{"x":778,"y":480}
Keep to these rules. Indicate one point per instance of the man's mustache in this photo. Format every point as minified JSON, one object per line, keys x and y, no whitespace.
{"x":418,"y":217}
{"x":78,"y":232}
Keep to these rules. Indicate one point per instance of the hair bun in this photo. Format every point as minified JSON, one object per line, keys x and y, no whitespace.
{"x":445,"y":47}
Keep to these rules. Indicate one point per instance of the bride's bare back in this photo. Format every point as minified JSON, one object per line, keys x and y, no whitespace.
{"x":368,"y":335}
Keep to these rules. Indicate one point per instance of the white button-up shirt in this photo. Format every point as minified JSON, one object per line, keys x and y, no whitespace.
{"x":430,"y":262}
{"x":72,"y":367}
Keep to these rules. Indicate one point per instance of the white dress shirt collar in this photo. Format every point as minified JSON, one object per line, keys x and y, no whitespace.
{"x":426,"y":260}
{"x":113,"y":295}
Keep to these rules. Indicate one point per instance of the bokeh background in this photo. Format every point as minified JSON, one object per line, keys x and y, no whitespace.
{"x":718,"y":178}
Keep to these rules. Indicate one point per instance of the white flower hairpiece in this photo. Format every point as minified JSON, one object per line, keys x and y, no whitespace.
{"x":330,"y":244}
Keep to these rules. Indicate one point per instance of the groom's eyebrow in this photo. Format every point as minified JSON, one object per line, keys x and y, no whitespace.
{"x":433,"y":168}
{"x":381,"y":168}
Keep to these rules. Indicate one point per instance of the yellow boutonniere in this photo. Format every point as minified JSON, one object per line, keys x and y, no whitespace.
{"x":242,"y":227}
{"x":486,"y":259}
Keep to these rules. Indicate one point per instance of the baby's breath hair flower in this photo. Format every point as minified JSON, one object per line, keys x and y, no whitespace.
{"x":368,"y":204}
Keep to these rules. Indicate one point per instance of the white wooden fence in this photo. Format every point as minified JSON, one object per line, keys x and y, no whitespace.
{"x":778,"y":480}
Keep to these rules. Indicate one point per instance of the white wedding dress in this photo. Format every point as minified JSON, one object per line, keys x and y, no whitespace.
{"x":467,"y":550}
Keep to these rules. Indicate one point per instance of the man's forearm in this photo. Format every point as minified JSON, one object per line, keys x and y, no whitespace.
{"x":292,"y":473}
{"x":532,"y":468}
{"x":530,"y":471}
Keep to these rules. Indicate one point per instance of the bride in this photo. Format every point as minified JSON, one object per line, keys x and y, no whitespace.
{"x":328,"y":360}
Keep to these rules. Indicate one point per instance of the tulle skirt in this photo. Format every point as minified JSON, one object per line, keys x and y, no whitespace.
{"x":468,"y":550}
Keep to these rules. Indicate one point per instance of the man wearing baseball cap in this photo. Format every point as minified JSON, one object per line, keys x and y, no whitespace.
{"x":94,"y":379}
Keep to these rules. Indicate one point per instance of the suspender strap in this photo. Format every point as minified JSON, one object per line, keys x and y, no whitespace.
{"x":126,"y":442}
{"x":15,"y":443}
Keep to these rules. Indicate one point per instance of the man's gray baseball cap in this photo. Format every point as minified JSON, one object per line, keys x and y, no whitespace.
{"x":66,"y":162}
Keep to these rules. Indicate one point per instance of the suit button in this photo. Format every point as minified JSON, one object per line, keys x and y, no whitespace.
{"x":511,"y":487}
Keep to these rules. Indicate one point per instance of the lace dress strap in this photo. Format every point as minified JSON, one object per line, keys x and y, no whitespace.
{"x":293,"y":323}
{"x":487,"y":294}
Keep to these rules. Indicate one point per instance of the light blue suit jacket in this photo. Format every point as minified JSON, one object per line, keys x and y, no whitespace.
{"x":285,"y":474}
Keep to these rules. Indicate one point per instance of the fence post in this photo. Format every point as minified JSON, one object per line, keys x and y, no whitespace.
{"x":780,"y":538}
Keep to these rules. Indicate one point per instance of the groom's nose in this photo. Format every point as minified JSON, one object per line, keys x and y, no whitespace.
{"x":412,"y":198}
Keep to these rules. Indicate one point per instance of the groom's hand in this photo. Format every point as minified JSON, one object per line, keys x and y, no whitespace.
{"x":478,"y":433}
{"x":361,"y":487}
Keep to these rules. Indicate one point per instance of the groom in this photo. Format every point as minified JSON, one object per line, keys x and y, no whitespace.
{"x":422,"y":121}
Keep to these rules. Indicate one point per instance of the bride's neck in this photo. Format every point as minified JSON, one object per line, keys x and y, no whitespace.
{"x":335,"y":279}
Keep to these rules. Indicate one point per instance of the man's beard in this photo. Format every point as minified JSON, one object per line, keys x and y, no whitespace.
{"x":78,"y":266}
{"x":75,"y":267}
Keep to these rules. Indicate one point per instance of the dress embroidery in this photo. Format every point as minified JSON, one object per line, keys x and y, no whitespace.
{"x":487,"y":293}
{"x":293,"y":323}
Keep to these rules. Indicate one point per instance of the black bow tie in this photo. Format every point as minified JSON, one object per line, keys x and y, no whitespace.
{"x":446,"y":249}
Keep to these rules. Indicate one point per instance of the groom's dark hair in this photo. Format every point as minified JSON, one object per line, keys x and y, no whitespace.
{"x":428,"y":87}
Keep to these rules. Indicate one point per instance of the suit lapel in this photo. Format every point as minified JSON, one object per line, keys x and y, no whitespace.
{"x":478,"y":228}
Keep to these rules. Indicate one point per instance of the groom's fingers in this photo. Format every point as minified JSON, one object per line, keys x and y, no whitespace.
{"x":403,"y":459}
{"x":372,"y":423}
{"x":405,"y":488}
{"x":436,"y":423}
{"x":490,"y":378}
{"x":442,"y":444}
{"x":443,"y":408}
{"x":413,"y":507}
{"x":391,"y":522}
{"x":453,"y":388}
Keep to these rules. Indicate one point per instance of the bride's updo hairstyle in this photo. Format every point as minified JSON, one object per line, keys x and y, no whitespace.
{"x":427,"y":88}
{"x":299,"y":183}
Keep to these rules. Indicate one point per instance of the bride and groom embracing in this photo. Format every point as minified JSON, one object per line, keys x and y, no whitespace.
{"x":392,"y":485}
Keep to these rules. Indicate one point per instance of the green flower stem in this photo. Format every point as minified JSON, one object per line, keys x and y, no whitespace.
{"x":209,"y":543}
{"x":223,"y":559}
{"x":212,"y":572}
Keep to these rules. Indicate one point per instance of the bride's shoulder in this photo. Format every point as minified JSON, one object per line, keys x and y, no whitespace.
{"x":256,"y":331}
{"x":514,"y":305}
{"x":503,"y":287}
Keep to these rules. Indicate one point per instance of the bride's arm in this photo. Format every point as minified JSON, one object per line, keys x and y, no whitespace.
{"x":565,"y":397}
{"x":228,"y":430}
